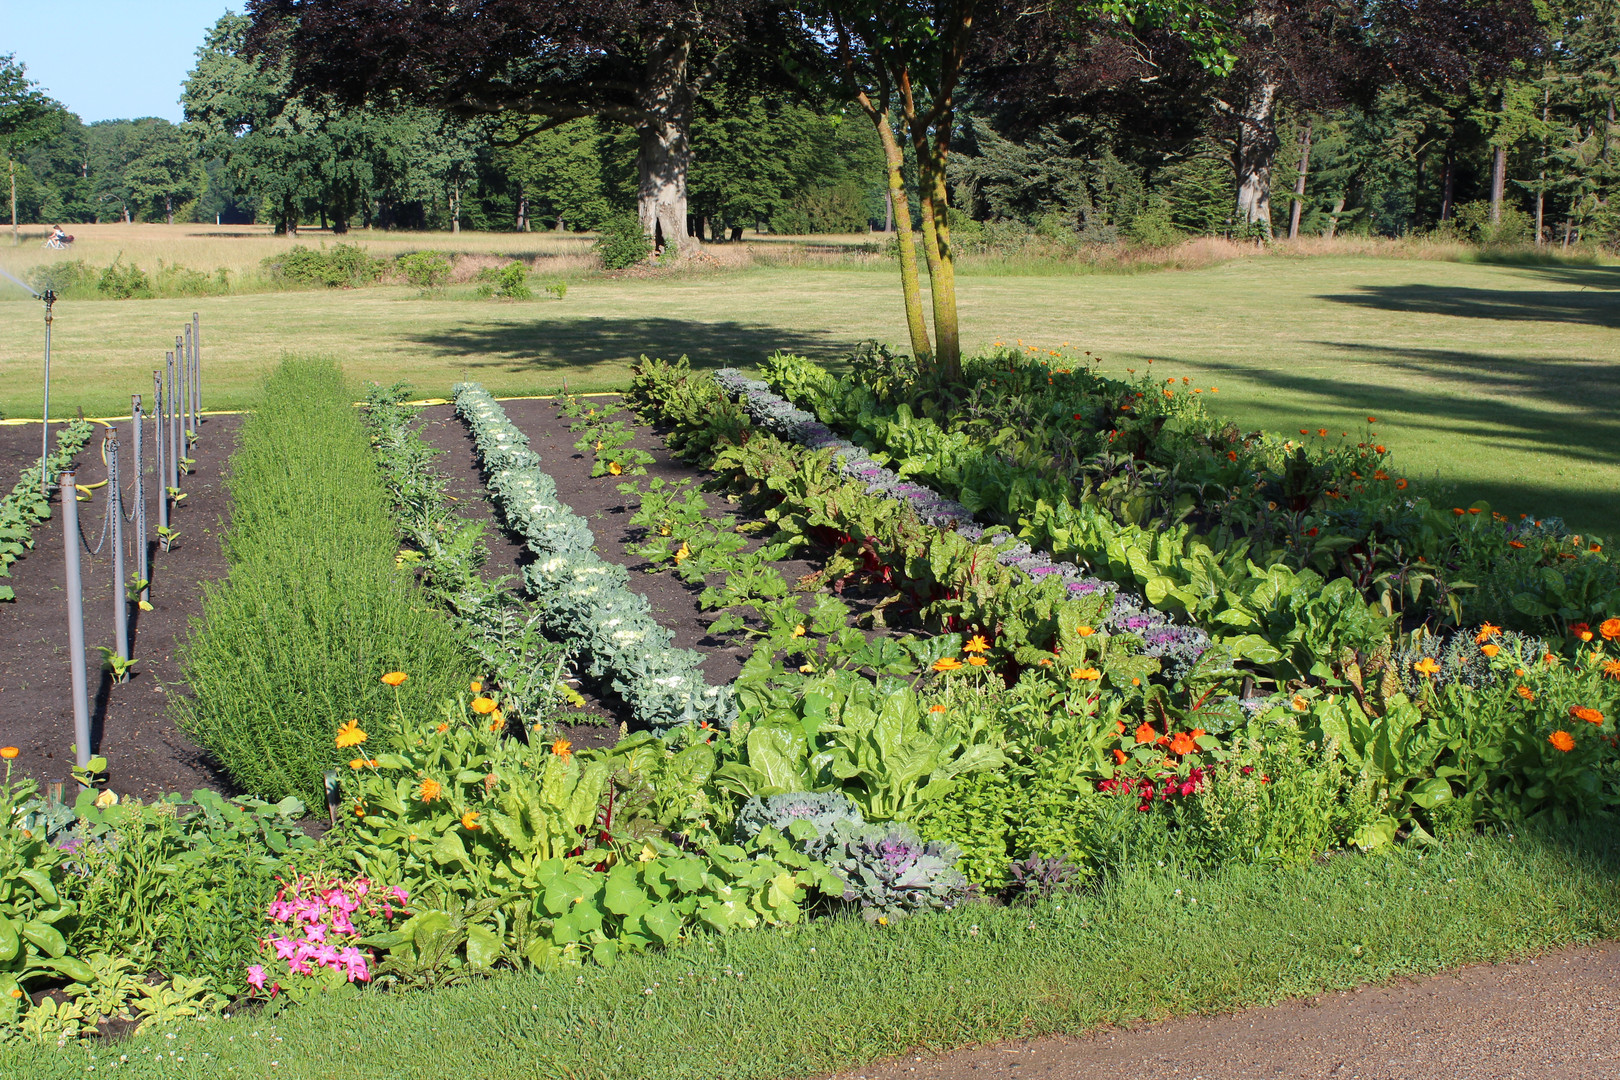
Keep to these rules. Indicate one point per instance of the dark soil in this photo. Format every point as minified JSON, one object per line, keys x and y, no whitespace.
{"x":1556,"y":1017}
{"x":146,"y":753}
{"x":674,"y":603}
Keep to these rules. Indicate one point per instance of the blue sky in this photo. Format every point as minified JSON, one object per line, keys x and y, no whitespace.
{"x":109,"y":59}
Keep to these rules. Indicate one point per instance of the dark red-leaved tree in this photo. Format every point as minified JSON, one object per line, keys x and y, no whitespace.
{"x":638,"y":62}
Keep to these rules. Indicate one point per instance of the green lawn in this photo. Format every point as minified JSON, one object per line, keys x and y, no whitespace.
{"x":1498,"y":380}
{"x":776,"y":1004}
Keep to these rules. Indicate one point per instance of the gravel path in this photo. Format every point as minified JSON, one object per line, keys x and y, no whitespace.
{"x":1553,"y":1018}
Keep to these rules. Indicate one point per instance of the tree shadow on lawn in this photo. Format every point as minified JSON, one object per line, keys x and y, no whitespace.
{"x":1591,"y":303}
{"x":577,"y":346}
{"x":1586,"y":430}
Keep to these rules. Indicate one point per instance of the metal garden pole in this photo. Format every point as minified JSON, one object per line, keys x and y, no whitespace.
{"x":173,"y":404}
{"x":75,"y":602}
{"x":45,"y":411}
{"x":142,"y":571}
{"x":158,"y":435}
{"x":196,"y":359}
{"x":115,"y":507}
{"x":182,"y":371}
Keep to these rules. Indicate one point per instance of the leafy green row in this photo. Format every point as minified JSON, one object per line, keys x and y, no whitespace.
{"x":586,"y":600}
{"x":25,"y":507}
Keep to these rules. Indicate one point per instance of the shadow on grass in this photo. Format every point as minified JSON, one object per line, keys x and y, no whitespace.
{"x":1559,"y":410}
{"x":1590,"y":302}
{"x":580,"y":345}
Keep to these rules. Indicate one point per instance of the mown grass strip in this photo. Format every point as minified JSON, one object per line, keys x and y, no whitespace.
{"x":833,"y":993}
{"x":292,"y":643}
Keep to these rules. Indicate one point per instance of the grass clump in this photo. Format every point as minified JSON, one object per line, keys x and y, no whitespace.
{"x":313,"y":598}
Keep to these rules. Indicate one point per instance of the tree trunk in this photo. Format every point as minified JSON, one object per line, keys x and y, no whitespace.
{"x":168,"y":209}
{"x":1333,"y":218}
{"x":1541,"y":178}
{"x":1256,"y":149}
{"x":736,"y":233}
{"x":900,"y":211}
{"x":455,"y":207}
{"x":340,"y":224}
{"x":1498,"y":182}
{"x":931,"y":149}
{"x":1448,"y":185}
{"x":1299,"y":184}
{"x":125,"y":207}
{"x":11,"y":167}
{"x":523,"y":213}
{"x":665,"y":147}
{"x":888,"y":210}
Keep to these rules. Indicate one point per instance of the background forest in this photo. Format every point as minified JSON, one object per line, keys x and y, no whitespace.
{"x":1523,"y":152}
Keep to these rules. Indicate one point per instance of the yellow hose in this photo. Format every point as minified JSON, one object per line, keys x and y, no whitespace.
{"x":88,"y":488}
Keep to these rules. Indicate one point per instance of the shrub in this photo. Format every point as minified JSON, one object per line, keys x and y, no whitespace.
{"x":424,"y":269}
{"x":172,"y":279}
{"x":510,"y":282}
{"x":122,"y":282}
{"x":1474,"y":222}
{"x":623,"y":242}
{"x":61,"y":276}
{"x":340,"y":266}
{"x":1153,"y":227}
{"x":314,"y":608}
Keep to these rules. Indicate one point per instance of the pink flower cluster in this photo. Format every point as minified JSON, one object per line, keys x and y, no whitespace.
{"x":1162,"y":787}
{"x":318,"y":916}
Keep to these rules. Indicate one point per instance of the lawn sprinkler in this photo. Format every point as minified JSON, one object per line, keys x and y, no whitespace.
{"x":49,"y":296}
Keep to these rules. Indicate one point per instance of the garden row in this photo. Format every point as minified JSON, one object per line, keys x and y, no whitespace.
{"x":26,"y":504}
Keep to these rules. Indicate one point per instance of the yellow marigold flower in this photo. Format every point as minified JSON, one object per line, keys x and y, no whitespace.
{"x":476,"y":686}
{"x":976,"y":643}
{"x":563,"y":749}
{"x":9,"y":752}
{"x":362,"y":763}
{"x":1426,"y":666}
{"x":948,"y":663}
{"x":1490,"y":650}
{"x":1085,"y":674}
{"x":977,"y":661}
{"x":469,"y":821}
{"x":798,"y":631}
{"x":1085,"y":631}
{"x":483,"y":706}
{"x":1562,"y":740}
{"x":428,"y":790}
{"x":350,"y":735}
{"x":394,"y":678}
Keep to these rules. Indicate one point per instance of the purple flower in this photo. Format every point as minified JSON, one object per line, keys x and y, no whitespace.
{"x":354,"y":965}
{"x":255,"y":976}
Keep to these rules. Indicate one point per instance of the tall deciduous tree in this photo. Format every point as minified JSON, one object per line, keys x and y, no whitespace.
{"x":27,"y":115}
{"x":638,"y":62}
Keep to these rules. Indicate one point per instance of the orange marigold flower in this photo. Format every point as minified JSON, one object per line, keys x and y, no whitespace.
{"x":977,"y":661}
{"x":1380,"y":474}
{"x":1372,"y":419}
{"x":498,"y":723}
{"x":442,"y":728}
{"x":1587,"y":713}
{"x":1562,"y":740}
{"x":1145,"y":733}
{"x":394,"y":678}
{"x":1231,"y":455}
{"x":1610,"y":628}
{"x":1527,"y":693}
{"x":1474,"y":509}
{"x":563,"y":749}
{"x":1136,"y":681}
{"x":946,"y":663}
{"x":1519,"y":544}
{"x":350,"y":735}
{"x":1486,"y":632}
{"x":483,"y":706}
{"x":1611,"y":668}
{"x":1595,"y":548}
{"x":1426,"y":666}
{"x":1581,"y":630}
{"x":1490,"y":650}
{"x":1120,"y":757}
{"x":1459,"y":511}
{"x":429,"y":790}
{"x":469,"y":821}
{"x":9,"y":752}
{"x":1380,"y":449}
{"x":976,"y":643}
{"x":1085,"y":674}
{"x":1183,"y":743}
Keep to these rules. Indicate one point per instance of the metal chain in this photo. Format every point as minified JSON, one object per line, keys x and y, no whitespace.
{"x":106,"y":524}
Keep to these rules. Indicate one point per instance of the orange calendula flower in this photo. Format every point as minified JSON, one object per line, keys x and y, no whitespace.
{"x":976,"y":643}
{"x":469,"y":821}
{"x":9,"y":752}
{"x":1300,"y":704}
{"x":1587,"y":713}
{"x":1562,"y":740}
{"x":1595,"y":548}
{"x":1527,"y":693}
{"x":1146,"y":734}
{"x":1231,"y":455}
{"x":1372,"y":419}
{"x":1085,"y":674}
{"x":394,"y":678}
{"x":1609,"y":628}
{"x":977,"y":661}
{"x":1490,"y":650}
{"x":1183,"y":743}
{"x":1085,"y":631}
{"x":1426,"y":666}
{"x":563,"y":749}
{"x":1459,"y":511}
{"x":1486,"y":632}
{"x":429,"y":790}
{"x":1321,"y":432}
{"x":1611,"y":668}
{"x":442,"y":728}
{"x":476,"y":686}
{"x":946,"y":663}
{"x":362,"y":763}
{"x":1516,"y":544}
{"x":350,"y":735}
{"x":498,"y":723}
{"x":936,"y":708}
{"x":483,"y":706}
